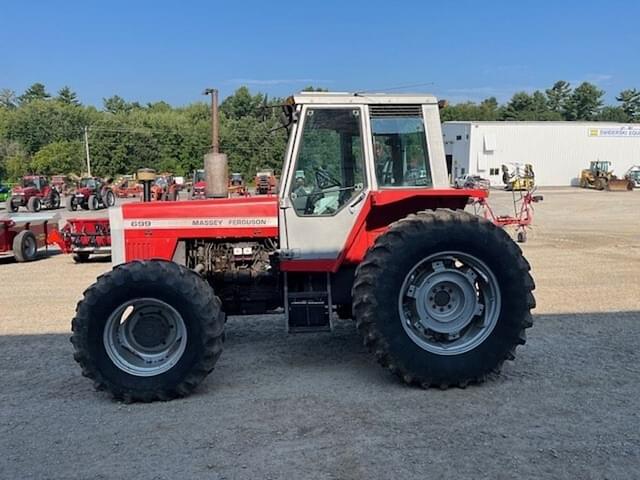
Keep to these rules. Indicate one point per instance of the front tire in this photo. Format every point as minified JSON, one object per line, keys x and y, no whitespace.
{"x":12,"y":205}
{"x":71,"y":203}
{"x":443,"y":298}
{"x":93,"y":203}
{"x":54,"y":201}
{"x":148,"y":330}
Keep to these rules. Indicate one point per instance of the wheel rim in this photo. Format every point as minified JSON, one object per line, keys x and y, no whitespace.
{"x":145,"y":337}
{"x":449,"y":303}
{"x":30,"y":247}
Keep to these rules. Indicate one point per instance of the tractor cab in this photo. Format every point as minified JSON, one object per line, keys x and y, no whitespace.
{"x":89,"y":183}
{"x":600,"y":166}
{"x":345,"y":150}
{"x":34,"y":181}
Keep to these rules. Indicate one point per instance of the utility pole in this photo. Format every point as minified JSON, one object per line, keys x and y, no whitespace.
{"x":86,"y":148}
{"x":215,"y":141}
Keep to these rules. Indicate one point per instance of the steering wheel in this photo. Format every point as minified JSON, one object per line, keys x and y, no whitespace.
{"x":325,"y":180}
{"x":312,"y":199}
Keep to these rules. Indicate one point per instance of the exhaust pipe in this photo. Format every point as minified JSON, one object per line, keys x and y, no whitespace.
{"x":216,"y":174}
{"x":146,"y":176}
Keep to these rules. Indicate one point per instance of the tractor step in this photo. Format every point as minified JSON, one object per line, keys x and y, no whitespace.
{"x":307,"y":302}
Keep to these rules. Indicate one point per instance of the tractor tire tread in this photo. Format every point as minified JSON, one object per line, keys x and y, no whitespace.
{"x":365,"y":303}
{"x":190,"y":286}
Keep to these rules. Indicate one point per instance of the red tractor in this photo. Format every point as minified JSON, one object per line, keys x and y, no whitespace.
{"x":92,"y":194}
{"x":266,"y":182}
{"x":127,"y":187}
{"x":35,"y":193}
{"x":440,"y":296}
{"x":164,"y":188}
{"x":237,"y":187}
{"x":198,"y":185}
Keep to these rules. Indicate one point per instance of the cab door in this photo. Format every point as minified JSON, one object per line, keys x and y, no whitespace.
{"x":326,"y":183}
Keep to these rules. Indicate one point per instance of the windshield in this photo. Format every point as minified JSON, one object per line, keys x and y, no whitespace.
{"x":198,"y":176}
{"x":88,"y":183}
{"x":30,"y":182}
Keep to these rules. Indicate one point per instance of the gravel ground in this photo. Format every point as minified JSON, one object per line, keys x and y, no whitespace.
{"x":318,"y":406}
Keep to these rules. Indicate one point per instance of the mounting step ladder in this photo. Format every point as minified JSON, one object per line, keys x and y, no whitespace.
{"x":307,"y":300}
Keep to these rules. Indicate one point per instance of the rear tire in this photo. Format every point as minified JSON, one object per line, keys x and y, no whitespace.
{"x":33,"y":205}
{"x":110,"y":199}
{"x":71,"y":204}
{"x":25,"y":246}
{"x":489,"y":296}
{"x":168,"y":299}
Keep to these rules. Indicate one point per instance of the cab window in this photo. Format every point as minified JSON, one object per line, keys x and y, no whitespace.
{"x":329,"y":168}
{"x":400,"y":149}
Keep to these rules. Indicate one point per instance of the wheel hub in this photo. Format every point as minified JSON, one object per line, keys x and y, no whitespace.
{"x":151,"y":331}
{"x":145,"y":337}
{"x":449,"y":303}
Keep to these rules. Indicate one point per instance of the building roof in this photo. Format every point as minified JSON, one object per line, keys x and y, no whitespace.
{"x":510,"y":123}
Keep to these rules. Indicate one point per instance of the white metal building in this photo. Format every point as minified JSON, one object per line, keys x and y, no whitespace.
{"x":558,"y":151}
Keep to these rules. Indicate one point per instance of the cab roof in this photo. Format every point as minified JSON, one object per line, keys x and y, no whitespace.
{"x":365,"y":98}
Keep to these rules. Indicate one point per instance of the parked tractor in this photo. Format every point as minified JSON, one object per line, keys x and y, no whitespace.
{"x":34,"y":193}
{"x":237,"y":186}
{"x":600,"y":176}
{"x":441,"y":297}
{"x":62,"y":183}
{"x":5,"y":192}
{"x":198,"y":185}
{"x":91,"y":194}
{"x":127,"y":186}
{"x":164,"y":188}
{"x":518,"y":177}
{"x":266,"y":182}
{"x":633,"y":175}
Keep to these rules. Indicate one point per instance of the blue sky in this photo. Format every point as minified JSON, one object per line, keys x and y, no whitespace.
{"x":148,"y":51}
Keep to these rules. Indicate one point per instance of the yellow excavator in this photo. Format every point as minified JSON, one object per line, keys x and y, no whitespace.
{"x":600,"y":176}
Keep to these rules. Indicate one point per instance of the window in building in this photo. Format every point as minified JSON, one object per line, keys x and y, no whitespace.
{"x":458,"y":137}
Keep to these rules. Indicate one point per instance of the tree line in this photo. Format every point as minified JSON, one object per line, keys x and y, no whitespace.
{"x":560,"y":102}
{"x":44,"y":133}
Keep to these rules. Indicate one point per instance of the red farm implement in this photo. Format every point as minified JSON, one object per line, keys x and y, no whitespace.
{"x":84,"y":237}
{"x":522,"y":217}
{"x":22,"y":237}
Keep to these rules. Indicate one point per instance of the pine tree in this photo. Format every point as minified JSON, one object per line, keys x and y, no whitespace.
{"x":630,"y":100}
{"x":36,"y":91}
{"x":67,"y":96}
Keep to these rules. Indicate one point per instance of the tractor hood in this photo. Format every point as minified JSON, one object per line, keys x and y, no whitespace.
{"x":19,"y":190}
{"x":84,"y":191}
{"x":153,"y":230}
